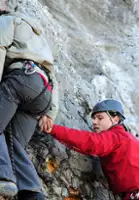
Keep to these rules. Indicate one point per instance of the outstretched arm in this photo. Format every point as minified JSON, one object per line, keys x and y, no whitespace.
{"x":87,"y":142}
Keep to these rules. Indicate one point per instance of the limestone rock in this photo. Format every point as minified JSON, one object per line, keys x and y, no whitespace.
{"x":96,"y":51}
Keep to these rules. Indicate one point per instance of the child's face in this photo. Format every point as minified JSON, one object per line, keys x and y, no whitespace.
{"x":102,"y":121}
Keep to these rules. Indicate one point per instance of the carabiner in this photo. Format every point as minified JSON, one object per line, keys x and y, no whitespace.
{"x":29,"y":67}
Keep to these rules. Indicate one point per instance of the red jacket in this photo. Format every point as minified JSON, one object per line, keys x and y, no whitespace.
{"x":118,"y":151}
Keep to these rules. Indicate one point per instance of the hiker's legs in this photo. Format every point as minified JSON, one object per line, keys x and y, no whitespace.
{"x":23,"y":127}
{"x":7,"y":110}
{"x":16,"y":88}
{"x":27,"y":178}
{"x":6,"y":171}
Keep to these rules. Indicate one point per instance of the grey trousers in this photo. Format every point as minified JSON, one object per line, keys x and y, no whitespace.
{"x":17,"y":88}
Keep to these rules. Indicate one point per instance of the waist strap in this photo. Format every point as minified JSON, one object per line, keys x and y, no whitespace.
{"x":31,"y":67}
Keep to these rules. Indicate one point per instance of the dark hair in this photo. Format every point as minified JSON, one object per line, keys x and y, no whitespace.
{"x":114,"y":114}
{"x":4,"y":12}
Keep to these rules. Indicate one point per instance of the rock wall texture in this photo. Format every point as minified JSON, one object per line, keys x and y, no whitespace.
{"x":96,"y":52}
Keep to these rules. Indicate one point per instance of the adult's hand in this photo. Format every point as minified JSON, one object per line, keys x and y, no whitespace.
{"x":46,"y":123}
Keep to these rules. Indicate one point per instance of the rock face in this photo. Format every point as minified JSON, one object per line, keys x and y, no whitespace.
{"x":95,"y":46}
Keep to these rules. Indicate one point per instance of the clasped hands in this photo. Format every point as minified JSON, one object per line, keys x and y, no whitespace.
{"x":46,"y":123}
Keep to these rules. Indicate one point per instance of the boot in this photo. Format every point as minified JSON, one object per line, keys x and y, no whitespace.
{"x":8,"y":188}
{"x":30,"y":195}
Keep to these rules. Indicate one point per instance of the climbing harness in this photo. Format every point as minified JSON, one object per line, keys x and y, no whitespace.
{"x":44,"y":97}
{"x":30,"y":67}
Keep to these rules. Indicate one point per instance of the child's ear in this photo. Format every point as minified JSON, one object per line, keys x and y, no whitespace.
{"x":116,"y":120}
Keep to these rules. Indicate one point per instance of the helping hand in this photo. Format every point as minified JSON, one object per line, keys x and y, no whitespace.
{"x":46,"y":124}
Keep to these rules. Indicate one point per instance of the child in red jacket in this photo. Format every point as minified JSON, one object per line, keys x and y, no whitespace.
{"x":117,"y":148}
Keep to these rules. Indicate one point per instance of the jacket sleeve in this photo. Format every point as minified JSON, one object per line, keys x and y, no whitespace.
{"x":55,"y":99}
{"x":6,"y":38}
{"x":87,"y":142}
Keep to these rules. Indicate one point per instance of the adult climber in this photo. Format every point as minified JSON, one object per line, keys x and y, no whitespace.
{"x":28,"y":90}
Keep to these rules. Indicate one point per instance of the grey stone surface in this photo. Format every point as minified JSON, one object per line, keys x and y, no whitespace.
{"x":96,"y":52}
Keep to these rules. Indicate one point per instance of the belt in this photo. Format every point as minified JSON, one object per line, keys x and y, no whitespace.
{"x":31,"y":67}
